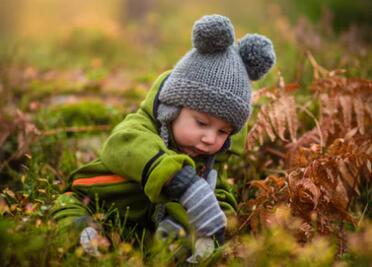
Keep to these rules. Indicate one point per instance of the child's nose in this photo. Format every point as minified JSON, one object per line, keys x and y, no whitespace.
{"x":209,"y":137}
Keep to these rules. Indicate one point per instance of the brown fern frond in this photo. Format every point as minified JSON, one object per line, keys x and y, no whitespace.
{"x":327,"y":165}
{"x":270,"y":192}
{"x":346,"y":109}
{"x":359,"y":112}
{"x":263,"y":92}
{"x":291,"y":116}
{"x":345,"y":103}
{"x":278,"y":118}
{"x":336,"y":175}
{"x":318,"y":70}
{"x":303,"y":191}
{"x":320,"y":188}
{"x":275,"y":118}
{"x":263,"y":120}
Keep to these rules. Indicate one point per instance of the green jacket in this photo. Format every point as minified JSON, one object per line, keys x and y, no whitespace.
{"x":135,"y":164}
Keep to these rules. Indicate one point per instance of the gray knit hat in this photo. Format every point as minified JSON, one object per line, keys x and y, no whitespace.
{"x":214,"y":77}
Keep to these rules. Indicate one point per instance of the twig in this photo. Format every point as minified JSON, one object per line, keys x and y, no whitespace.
{"x":317,"y":68}
{"x":275,"y":171}
{"x":362,"y":216}
{"x":275,"y":152}
{"x":244,"y":223}
{"x":317,"y":125}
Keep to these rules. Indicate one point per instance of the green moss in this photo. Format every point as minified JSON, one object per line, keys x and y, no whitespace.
{"x":40,"y":88}
{"x":87,"y":112}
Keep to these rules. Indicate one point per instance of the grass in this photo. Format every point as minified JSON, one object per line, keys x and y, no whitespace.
{"x":39,"y":74}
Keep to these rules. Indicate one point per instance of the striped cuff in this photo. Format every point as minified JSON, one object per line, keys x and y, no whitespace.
{"x":168,"y":227}
{"x":203,"y":209}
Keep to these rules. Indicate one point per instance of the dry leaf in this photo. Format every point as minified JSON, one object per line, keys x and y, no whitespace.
{"x":359,"y":112}
{"x":346,"y":105}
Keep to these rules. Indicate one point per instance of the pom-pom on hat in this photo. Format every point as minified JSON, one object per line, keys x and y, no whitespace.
{"x":214,"y":77}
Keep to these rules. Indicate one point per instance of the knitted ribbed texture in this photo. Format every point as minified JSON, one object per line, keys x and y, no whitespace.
{"x":203,"y":209}
{"x":170,"y":228}
{"x":166,"y":114}
{"x":213,"y":76}
{"x":199,"y":200}
{"x":182,"y":180}
{"x":256,"y":65}
{"x":215,"y":83}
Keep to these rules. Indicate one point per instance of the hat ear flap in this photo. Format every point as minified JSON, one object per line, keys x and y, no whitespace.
{"x":165,"y":115}
{"x":258,"y":55}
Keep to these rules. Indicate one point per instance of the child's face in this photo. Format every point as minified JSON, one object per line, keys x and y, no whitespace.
{"x":198,"y":133}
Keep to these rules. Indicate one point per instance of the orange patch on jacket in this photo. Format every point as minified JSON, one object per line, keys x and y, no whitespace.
{"x":103,"y":179}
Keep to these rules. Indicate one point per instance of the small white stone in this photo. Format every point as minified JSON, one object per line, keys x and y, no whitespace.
{"x":204,"y":247}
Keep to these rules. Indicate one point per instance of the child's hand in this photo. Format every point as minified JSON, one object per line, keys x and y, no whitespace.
{"x":89,"y":241}
{"x":204,"y":247}
{"x":170,"y":228}
{"x":198,"y":198}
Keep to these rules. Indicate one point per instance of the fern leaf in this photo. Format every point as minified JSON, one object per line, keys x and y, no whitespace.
{"x":291,"y":116}
{"x":350,"y":180}
{"x":359,"y":112}
{"x":263,"y":118}
{"x":346,"y":105}
{"x":279,"y":118}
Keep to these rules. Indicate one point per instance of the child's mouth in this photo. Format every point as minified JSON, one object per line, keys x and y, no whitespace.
{"x":193,"y":151}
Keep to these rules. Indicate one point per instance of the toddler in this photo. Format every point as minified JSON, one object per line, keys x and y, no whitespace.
{"x":162,"y":166}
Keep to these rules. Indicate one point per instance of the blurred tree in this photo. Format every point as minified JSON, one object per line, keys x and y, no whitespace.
{"x":9,"y":19}
{"x":8,"y":16}
{"x":134,"y":10}
{"x":342,"y":14}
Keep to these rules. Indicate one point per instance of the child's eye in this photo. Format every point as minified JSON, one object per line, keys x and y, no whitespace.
{"x":224,"y":132}
{"x":201,"y":123}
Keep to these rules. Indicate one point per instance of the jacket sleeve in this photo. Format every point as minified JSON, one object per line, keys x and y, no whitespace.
{"x":136,"y":151}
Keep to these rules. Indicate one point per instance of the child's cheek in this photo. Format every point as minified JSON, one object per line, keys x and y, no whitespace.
{"x":220,"y":143}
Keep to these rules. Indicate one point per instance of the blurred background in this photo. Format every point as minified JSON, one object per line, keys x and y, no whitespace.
{"x":78,"y":63}
{"x":148,"y":36}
